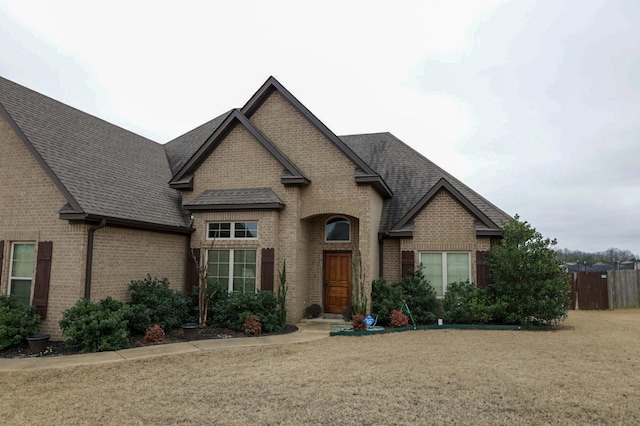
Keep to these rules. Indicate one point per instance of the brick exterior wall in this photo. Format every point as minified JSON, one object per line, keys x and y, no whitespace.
{"x":29,"y":213}
{"x":297,"y":232}
{"x":121,"y":255}
{"x":445,"y":225}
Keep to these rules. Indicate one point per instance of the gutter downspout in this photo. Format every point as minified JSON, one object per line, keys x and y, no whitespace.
{"x":87,"y":282}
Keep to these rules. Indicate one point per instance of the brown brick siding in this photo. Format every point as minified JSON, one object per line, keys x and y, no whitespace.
{"x":444,"y":225}
{"x":121,"y":255}
{"x":29,"y":212}
{"x":296,"y":232}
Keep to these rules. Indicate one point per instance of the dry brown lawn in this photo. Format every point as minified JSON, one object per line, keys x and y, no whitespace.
{"x":587,"y":371}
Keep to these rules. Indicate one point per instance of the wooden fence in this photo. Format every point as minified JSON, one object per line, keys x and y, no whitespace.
{"x":624,"y":289}
{"x":605,"y":290}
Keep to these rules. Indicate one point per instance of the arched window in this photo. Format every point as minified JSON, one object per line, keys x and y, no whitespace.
{"x":338,"y":229}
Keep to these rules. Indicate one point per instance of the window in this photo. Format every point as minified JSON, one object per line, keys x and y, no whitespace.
{"x":338,"y":229}
{"x":21,"y":274}
{"x":232,"y":230}
{"x":235,"y":268}
{"x":441,"y":269}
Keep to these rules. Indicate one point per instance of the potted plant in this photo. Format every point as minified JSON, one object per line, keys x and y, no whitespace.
{"x":38,"y":342}
{"x":190,"y":330}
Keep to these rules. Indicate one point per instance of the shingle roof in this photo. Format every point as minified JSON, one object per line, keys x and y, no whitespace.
{"x":102,"y":169}
{"x":182,"y":148}
{"x":410,"y":176}
{"x":105,"y":171}
{"x":236,"y":199}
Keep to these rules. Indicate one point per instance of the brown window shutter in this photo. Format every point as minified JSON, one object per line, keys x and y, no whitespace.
{"x":267,"y":269}
{"x":408,"y":263}
{"x":43,"y":276}
{"x":482,"y":270}
{"x":1,"y":257}
{"x":192,"y":271}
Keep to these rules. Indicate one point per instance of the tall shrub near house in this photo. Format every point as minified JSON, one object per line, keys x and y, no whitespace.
{"x":163,"y":305}
{"x":528,"y":284}
{"x":420,"y":297}
{"x":17,"y":321}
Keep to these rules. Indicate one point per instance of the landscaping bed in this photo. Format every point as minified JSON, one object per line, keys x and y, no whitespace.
{"x":176,"y":335}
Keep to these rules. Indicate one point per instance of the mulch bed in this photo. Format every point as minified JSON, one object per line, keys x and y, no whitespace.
{"x":56,"y":348}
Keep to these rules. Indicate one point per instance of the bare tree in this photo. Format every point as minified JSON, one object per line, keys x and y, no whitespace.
{"x":206,"y":290}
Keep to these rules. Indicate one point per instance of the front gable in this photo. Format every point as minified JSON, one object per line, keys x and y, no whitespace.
{"x":450,"y":214}
{"x":183,"y":179}
{"x":305,"y":139}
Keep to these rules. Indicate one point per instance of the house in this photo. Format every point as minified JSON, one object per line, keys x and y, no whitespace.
{"x":88,"y":206}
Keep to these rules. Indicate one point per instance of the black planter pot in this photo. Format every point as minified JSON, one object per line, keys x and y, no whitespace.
{"x":190,"y":330}
{"x":38,"y":343}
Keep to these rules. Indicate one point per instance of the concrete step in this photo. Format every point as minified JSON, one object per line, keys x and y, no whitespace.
{"x":324,"y":324}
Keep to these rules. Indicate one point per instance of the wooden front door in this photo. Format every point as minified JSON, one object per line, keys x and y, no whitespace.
{"x":337,"y":279}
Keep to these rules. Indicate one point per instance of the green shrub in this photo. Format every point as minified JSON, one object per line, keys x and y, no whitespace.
{"x":228,"y":311}
{"x":17,"y":321}
{"x":465,"y":302}
{"x":528,"y":284}
{"x":96,"y":327}
{"x":420,"y":297}
{"x":384,"y":299}
{"x":165,"y":306}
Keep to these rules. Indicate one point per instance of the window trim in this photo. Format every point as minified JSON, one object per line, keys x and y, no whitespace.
{"x":326,"y":223}
{"x":12,"y":278}
{"x":232,"y":230}
{"x":232,"y":265}
{"x":444,"y":254}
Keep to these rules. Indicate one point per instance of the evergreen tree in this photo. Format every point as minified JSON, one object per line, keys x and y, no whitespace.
{"x":528,"y":284}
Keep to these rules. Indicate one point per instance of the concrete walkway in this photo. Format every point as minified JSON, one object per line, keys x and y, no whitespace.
{"x":304,"y":334}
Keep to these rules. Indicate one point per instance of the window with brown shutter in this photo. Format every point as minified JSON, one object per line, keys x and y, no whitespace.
{"x":267,"y":269}
{"x":43,"y":277}
{"x":408,"y":263}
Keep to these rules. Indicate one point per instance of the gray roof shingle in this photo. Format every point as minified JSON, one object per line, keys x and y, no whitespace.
{"x":108,"y":171}
{"x":410,"y":176}
{"x":247,"y":198}
{"x":182,"y":148}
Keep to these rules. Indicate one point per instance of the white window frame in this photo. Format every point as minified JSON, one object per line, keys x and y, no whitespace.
{"x":445,"y":281}
{"x":13,"y":278}
{"x":232,"y":265}
{"x":326,"y":222}
{"x":232,"y":230}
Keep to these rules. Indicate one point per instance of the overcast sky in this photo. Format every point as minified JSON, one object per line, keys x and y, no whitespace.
{"x":535,"y":105}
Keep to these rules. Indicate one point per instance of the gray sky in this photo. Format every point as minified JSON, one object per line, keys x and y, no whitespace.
{"x":535,"y":105}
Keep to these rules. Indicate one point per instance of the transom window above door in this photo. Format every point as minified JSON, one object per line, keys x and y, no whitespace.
{"x":338,"y":229}
{"x":232,"y":230}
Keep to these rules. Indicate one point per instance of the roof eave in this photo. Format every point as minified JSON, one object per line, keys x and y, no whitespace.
{"x":489,"y":233}
{"x":234,"y":207}
{"x":377,"y":182}
{"x":76,"y":217}
{"x":183,"y":184}
{"x":294,"y":180}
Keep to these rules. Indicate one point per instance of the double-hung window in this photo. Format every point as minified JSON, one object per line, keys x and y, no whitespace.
{"x":232,"y":230}
{"x":235,"y":269}
{"x":441,"y":269}
{"x":21,"y":272}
